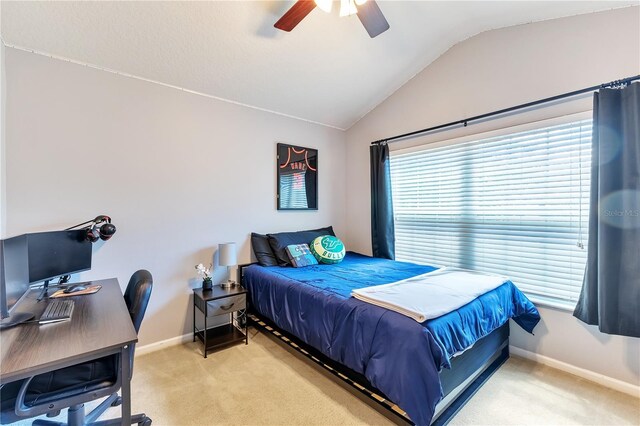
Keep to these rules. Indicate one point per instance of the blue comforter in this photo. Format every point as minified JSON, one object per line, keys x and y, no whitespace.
{"x":396,"y":354}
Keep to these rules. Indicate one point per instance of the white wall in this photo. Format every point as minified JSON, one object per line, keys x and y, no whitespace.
{"x":178,"y":173}
{"x":495,"y":70}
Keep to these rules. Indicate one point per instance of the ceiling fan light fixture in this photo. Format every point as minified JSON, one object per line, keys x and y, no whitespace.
{"x":324,"y":5}
{"x":368,"y":13}
{"x":347,"y":8}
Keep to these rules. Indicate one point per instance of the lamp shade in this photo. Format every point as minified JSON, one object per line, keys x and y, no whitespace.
{"x":227,"y":254}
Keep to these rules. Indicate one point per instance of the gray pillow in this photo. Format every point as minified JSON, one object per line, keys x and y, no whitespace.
{"x":262,"y":250}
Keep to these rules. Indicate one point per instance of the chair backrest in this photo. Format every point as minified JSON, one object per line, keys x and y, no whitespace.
{"x":137,"y":296}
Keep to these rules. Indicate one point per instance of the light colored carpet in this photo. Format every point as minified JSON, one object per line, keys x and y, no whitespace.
{"x":522,"y":392}
{"x":265,"y":384}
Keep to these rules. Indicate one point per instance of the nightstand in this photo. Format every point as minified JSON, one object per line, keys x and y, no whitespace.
{"x":217,"y":302}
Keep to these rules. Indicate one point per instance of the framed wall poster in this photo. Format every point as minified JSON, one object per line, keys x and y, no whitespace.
{"x":297,"y":177}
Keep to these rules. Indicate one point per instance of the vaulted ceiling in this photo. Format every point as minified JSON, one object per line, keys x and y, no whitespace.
{"x":327,"y":70}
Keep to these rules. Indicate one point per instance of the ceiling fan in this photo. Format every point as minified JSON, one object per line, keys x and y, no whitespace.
{"x":367,"y":10}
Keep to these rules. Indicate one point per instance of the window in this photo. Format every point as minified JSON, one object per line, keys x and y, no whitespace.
{"x":516,"y":204}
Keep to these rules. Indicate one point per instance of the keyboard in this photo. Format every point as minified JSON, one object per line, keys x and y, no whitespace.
{"x":57,"y":310}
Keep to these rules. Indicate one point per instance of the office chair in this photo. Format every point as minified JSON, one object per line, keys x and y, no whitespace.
{"x":73,"y":386}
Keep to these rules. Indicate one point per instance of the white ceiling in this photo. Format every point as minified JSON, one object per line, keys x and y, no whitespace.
{"x":327,"y":70}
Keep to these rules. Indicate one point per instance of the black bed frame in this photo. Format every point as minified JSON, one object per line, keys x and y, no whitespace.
{"x":469,"y":371}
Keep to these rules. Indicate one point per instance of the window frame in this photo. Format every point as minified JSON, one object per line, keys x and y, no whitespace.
{"x":503,"y":131}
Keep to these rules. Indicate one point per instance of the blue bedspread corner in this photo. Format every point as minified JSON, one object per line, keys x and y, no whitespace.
{"x":528,"y":316}
{"x":458,"y":330}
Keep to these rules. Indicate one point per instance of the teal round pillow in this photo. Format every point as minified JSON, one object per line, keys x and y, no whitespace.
{"x":327,"y":249}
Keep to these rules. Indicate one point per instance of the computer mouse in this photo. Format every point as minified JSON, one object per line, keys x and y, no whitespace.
{"x":74,"y":288}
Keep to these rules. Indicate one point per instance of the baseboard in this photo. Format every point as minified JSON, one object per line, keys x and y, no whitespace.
{"x":601,"y":379}
{"x":156,"y":346}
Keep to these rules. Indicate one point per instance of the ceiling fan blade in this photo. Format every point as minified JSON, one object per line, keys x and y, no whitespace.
{"x":294,"y":15}
{"x":372,"y":18}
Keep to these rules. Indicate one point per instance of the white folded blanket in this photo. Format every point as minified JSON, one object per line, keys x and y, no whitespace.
{"x":432,"y":294}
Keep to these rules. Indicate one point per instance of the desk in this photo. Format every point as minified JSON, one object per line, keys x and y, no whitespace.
{"x":100,"y":326}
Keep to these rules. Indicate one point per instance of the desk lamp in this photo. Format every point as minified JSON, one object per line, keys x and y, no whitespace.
{"x":227,"y":257}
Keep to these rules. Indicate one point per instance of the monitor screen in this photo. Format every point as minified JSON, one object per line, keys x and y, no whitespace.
{"x":53,"y":254}
{"x":15,"y":279}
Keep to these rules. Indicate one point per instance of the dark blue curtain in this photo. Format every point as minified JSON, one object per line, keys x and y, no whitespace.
{"x":610,"y":295}
{"x":383,"y":240}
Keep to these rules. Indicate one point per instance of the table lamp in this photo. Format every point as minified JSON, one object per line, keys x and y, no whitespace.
{"x":227,"y":257}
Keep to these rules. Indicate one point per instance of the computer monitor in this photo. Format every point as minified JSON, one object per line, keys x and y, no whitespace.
{"x":53,"y":254}
{"x":14,"y":280}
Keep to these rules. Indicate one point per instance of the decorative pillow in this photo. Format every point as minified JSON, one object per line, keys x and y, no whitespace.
{"x":300,"y":255}
{"x":328,"y":249}
{"x":280,"y":241}
{"x":262,"y":250}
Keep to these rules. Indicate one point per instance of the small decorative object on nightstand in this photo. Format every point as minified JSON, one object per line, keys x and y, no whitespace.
{"x":216,"y":302}
{"x":227,"y":257}
{"x":205,"y":273}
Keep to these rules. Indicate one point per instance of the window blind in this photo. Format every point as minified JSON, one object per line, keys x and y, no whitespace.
{"x":516,"y":204}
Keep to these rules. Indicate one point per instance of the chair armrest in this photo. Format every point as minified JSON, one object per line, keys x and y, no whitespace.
{"x":21,"y":409}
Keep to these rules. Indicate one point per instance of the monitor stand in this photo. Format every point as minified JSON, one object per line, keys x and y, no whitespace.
{"x":43,"y":293}
{"x":15,"y":319}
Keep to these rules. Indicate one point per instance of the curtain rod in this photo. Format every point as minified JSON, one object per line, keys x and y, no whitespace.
{"x":464,"y":122}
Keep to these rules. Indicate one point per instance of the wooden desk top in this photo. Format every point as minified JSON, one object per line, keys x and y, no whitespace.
{"x":100,"y":325}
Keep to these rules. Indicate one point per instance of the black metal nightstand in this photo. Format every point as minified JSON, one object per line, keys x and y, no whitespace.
{"x":221,"y":301}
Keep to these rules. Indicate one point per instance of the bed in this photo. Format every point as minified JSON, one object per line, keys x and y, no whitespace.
{"x":408,"y":362}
